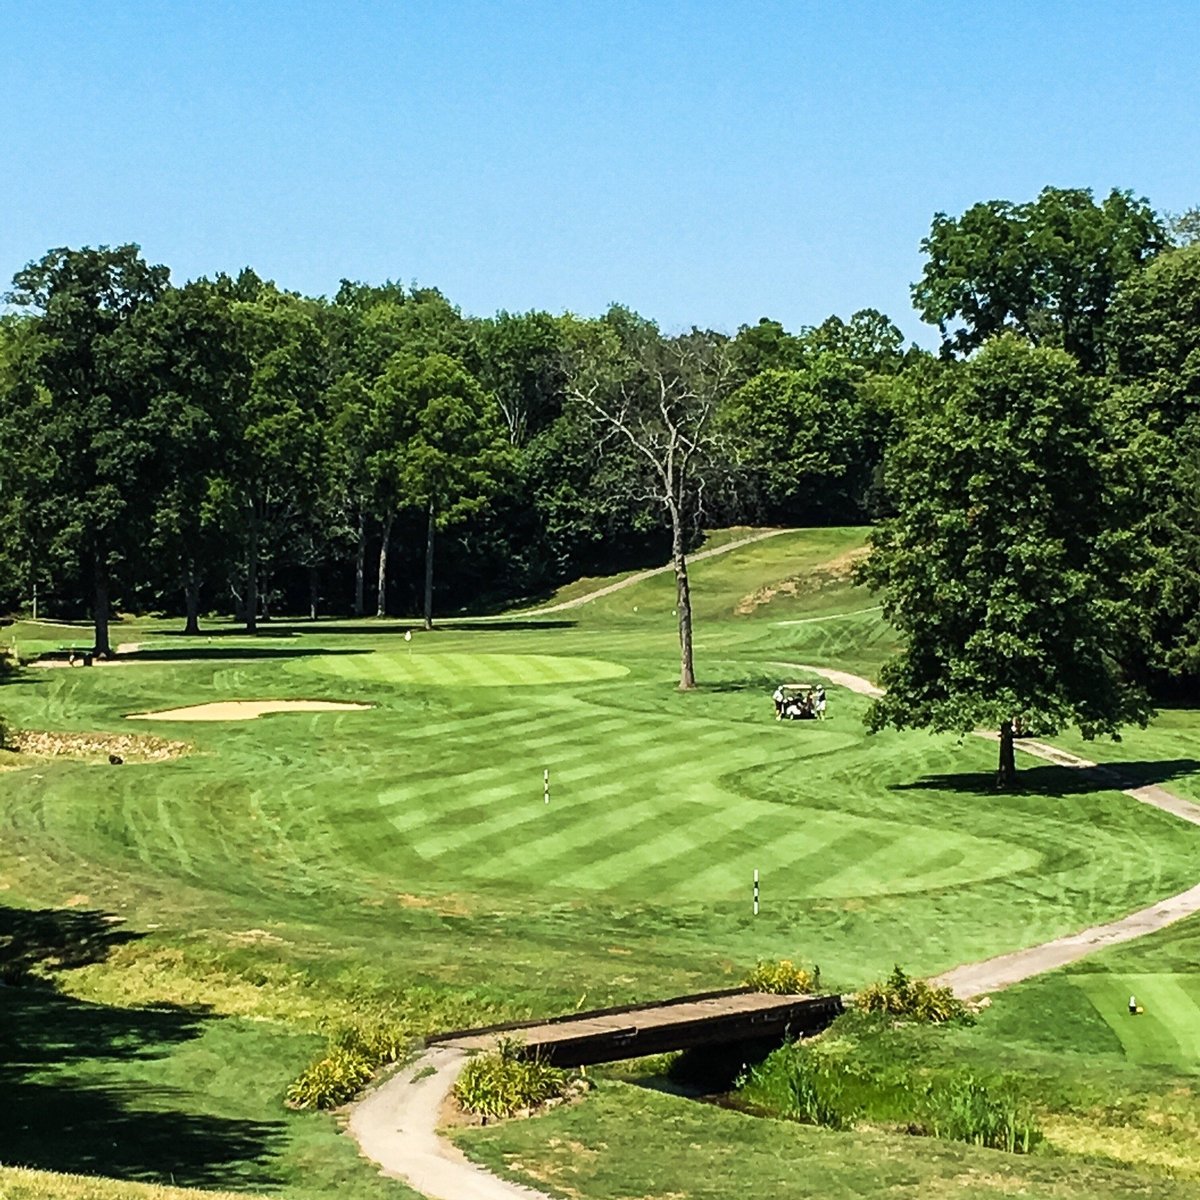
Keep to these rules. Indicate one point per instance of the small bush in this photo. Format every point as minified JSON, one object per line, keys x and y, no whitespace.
{"x":972,"y":1110}
{"x":355,"y":1052}
{"x":502,"y":1083}
{"x":376,"y":1040}
{"x":330,"y":1081}
{"x":783,"y":978}
{"x":911,"y":999}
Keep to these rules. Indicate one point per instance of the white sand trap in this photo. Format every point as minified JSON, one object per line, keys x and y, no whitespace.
{"x":244,"y":710}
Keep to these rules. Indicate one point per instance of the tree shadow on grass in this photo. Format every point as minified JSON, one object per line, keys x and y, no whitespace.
{"x":77,"y":1077}
{"x":65,"y":1069}
{"x":1050,"y":780}
{"x":34,"y":943}
{"x":373,"y":627}
{"x":245,"y":653}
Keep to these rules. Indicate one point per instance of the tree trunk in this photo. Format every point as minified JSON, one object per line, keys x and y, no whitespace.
{"x":102,"y":647}
{"x":360,"y":567}
{"x":314,"y":588}
{"x":1006,"y":774}
{"x":381,"y":603}
{"x":252,"y":576}
{"x":429,"y":533}
{"x":683,"y":603}
{"x":191,"y":600}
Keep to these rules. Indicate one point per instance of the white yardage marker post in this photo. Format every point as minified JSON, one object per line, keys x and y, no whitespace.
{"x":756,"y":891}
{"x":546,"y":784}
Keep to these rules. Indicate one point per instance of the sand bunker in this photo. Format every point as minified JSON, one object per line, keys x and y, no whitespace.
{"x":244,"y":710}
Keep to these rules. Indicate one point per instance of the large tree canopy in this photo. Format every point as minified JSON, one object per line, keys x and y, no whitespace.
{"x":1046,"y":269}
{"x":79,"y":430}
{"x":1011,"y":568}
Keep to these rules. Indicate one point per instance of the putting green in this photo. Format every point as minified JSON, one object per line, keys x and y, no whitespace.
{"x":1168,"y":1031}
{"x":441,"y":668}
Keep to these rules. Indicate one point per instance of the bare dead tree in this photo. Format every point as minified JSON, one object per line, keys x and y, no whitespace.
{"x":660,"y":398}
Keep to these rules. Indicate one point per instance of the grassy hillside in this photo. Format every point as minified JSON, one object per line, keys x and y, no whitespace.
{"x":208,"y":917}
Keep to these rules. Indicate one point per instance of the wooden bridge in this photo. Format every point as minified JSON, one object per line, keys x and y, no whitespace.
{"x":609,"y":1034}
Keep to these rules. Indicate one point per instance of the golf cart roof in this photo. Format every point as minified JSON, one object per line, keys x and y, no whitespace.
{"x":797,"y":687}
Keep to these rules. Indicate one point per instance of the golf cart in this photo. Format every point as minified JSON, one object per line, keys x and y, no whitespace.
{"x":799,"y":702}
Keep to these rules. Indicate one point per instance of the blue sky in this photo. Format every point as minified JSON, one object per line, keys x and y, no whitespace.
{"x":706,"y":163}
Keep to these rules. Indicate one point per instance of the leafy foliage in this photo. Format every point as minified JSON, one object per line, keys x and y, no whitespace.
{"x":1047,"y":269}
{"x":356,"y":1051}
{"x":504,"y":1082}
{"x":782,"y":977}
{"x":1014,"y":564}
{"x":907,"y":999}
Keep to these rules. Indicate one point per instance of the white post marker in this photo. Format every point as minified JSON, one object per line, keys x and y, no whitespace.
{"x":408,"y":639}
{"x":756,"y":891}
{"x":546,"y":784}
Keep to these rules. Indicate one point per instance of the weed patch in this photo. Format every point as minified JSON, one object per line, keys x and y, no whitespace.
{"x":503,"y":1083}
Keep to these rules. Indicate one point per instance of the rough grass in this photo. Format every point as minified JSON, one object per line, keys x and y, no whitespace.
{"x":18,"y":1183}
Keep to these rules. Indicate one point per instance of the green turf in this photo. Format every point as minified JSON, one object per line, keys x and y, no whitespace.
{"x":1168,"y":1031}
{"x":625,"y":1142}
{"x":464,"y":670}
{"x":308,"y":864}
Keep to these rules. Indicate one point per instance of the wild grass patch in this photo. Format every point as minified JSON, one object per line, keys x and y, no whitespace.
{"x":506,"y":1081}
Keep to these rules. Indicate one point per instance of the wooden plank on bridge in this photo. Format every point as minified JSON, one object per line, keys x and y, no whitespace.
{"x":708,"y":1020}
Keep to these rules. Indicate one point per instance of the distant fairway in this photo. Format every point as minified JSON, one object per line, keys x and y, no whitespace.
{"x":447,"y":668}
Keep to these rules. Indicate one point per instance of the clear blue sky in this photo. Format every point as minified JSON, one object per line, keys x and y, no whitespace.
{"x":706,"y":163}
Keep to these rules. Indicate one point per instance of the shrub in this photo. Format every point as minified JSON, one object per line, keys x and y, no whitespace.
{"x":911,"y":999}
{"x":969,"y":1109}
{"x":783,"y":978}
{"x":330,"y":1081}
{"x":503,"y":1082}
{"x":355,"y":1052}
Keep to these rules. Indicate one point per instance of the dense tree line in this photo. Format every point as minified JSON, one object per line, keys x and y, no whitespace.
{"x":224,"y":445}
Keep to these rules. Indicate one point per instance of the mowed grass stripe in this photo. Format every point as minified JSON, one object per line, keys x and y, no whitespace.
{"x":638,"y":753}
{"x":676,"y":837}
{"x":420,"y":667}
{"x":568,"y":829}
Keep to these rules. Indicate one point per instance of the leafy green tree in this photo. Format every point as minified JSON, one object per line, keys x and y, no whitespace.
{"x":80,"y":430}
{"x":1047,"y":269}
{"x":1013,"y":564}
{"x":185,"y":355}
{"x":522,"y":361}
{"x":658,"y":399}
{"x":453,"y":449}
{"x":279,"y":459}
{"x":805,"y":435}
{"x":1155,"y":344}
{"x":869,"y":340}
{"x":1155,"y":333}
{"x":766,"y":346}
